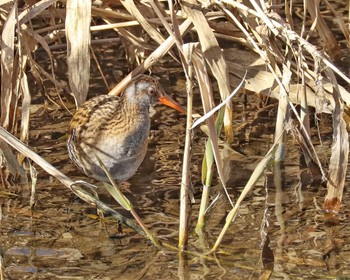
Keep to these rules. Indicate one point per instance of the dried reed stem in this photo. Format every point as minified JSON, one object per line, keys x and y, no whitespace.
{"x":185,"y":183}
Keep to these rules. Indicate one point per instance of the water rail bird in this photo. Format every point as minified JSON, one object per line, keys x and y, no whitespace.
{"x":115,"y":129}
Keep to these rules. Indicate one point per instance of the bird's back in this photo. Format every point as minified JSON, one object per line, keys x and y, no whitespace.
{"x":105,"y":127}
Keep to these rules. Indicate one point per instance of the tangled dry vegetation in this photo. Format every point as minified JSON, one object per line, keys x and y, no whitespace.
{"x":282,"y":49}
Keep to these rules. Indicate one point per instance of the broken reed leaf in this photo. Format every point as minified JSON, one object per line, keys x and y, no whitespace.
{"x":208,"y":103}
{"x":213,"y":55}
{"x":218,"y":107}
{"x":39,"y":39}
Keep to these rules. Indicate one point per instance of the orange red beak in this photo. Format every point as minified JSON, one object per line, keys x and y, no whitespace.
{"x":167,"y":100}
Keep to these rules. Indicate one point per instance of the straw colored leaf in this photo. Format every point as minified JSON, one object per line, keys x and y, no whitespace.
{"x":134,"y":10}
{"x":259,"y":80}
{"x":326,"y":34}
{"x":340,"y":152}
{"x":25,"y":108}
{"x":338,"y":18}
{"x":7,"y":69}
{"x":2,"y":2}
{"x":40,"y":40}
{"x":214,"y":57}
{"x":34,"y":10}
{"x":78,"y":19}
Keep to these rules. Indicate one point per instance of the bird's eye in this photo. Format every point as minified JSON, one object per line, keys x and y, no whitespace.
{"x":151,"y":91}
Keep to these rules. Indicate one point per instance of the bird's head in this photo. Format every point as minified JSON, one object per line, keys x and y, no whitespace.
{"x":147,"y":91}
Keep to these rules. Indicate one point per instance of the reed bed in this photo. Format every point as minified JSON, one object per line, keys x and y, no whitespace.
{"x":279,"y":58}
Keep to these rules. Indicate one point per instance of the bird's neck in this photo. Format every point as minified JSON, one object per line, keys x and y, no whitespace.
{"x":134,"y":107}
{"x":129,"y":116}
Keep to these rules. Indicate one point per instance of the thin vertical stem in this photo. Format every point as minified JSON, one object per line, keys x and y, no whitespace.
{"x":183,"y":227}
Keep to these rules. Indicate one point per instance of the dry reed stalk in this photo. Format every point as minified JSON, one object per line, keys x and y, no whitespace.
{"x":186,"y":172}
{"x":283,"y":113}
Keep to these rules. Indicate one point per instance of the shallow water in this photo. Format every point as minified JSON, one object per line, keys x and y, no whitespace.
{"x":63,"y":237}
